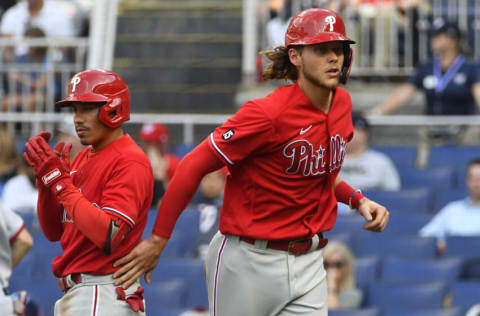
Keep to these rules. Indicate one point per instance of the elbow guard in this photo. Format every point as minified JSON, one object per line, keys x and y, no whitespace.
{"x":116,"y":233}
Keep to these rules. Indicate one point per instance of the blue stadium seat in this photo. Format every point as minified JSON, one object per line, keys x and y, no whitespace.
{"x":384,"y":245}
{"x":367,"y":271}
{"x":402,"y":156}
{"x":439,"y":178}
{"x":425,"y":312}
{"x":45,"y":294}
{"x":188,"y":225}
{"x":175,"y":247}
{"x":183,"y":149}
{"x":443,"y":197}
{"x":163,"y":311}
{"x":463,"y":246}
{"x":343,"y":237}
{"x":389,"y":296}
{"x":411,"y":223}
{"x":348,"y":224}
{"x":457,"y":157}
{"x":197,"y":295}
{"x":465,"y":294}
{"x":182,"y":268}
{"x":420,"y":270}
{"x":356,"y":312}
{"x":165,"y":294}
{"x":409,"y":200}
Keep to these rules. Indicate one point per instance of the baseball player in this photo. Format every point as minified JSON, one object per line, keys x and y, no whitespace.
{"x":15,"y":242}
{"x":284,"y":153}
{"x":97,"y":207}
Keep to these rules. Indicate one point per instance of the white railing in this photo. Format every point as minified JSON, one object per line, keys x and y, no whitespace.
{"x":389,"y":41}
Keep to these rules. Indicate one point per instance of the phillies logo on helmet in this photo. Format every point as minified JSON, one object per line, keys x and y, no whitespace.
{"x":75,"y":82}
{"x":330,"y":20}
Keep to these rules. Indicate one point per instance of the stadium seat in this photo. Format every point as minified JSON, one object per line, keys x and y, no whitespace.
{"x":439,"y":178}
{"x":355,"y":312}
{"x":163,"y":311}
{"x":45,"y":294}
{"x":348,"y":224}
{"x":465,"y":294}
{"x":409,"y":200}
{"x":165,"y":294}
{"x":412,"y":295}
{"x":367,"y":271}
{"x":175,"y":247}
{"x":181,"y":268}
{"x":462,"y":246}
{"x":196,"y":293}
{"x":453,"y":156}
{"x":425,"y":312}
{"x":384,"y":245}
{"x":443,"y":197}
{"x":402,"y":156}
{"x":182,"y":149}
{"x":411,"y":223}
{"x":188,"y":225}
{"x":343,"y":237}
{"x":420,"y":270}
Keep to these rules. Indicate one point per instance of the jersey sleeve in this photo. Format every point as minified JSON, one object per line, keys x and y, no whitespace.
{"x":249,"y":130}
{"x":13,"y":222}
{"x":128,"y":190}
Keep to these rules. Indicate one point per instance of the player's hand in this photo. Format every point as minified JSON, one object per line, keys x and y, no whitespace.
{"x":142,"y":259}
{"x":47,"y":165}
{"x":63,"y":152}
{"x":376,"y":215}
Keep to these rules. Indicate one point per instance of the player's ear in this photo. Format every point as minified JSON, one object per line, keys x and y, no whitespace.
{"x":295,"y":56}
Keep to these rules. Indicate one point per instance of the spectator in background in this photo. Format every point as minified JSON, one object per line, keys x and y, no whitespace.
{"x":474,"y":310}
{"x":155,"y":138}
{"x":9,"y":158}
{"x":20,"y":193}
{"x":209,"y":202}
{"x":15,"y":242}
{"x":339,"y":263}
{"x":26,"y":87}
{"x":6,"y":4}
{"x":458,"y":218}
{"x":45,"y":14}
{"x":365,"y":168}
{"x":450,"y":82}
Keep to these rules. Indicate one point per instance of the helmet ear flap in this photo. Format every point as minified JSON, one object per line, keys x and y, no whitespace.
{"x":347,"y":64}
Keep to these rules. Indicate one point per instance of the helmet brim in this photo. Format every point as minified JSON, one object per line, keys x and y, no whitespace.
{"x":323,"y":38}
{"x":80,"y":97}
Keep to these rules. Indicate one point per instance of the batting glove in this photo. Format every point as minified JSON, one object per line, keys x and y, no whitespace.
{"x":48,"y":167}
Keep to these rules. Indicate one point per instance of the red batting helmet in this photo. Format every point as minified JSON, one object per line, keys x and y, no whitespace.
{"x":155,"y":133}
{"x":315,"y":26}
{"x":104,"y":86}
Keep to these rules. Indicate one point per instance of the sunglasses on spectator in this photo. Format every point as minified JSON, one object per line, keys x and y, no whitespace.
{"x":338,"y":264}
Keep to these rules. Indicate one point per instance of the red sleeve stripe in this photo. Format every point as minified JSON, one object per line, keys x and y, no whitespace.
{"x":12,"y":239}
{"x":120,"y":214}
{"x":219,"y":151}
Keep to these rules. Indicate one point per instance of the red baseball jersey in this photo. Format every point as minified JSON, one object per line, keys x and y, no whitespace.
{"x":283,"y":155}
{"x":117,"y":179}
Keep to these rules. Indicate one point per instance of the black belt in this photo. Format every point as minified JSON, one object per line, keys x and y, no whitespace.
{"x":295,"y":247}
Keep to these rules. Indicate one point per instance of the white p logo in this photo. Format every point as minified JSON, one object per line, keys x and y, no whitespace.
{"x":330,"y":20}
{"x":75,"y":81}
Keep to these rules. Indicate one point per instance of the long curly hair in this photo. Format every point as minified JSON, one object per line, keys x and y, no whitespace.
{"x":280,"y":66}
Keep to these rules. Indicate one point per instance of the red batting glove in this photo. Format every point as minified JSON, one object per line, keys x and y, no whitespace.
{"x":48,"y":167}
